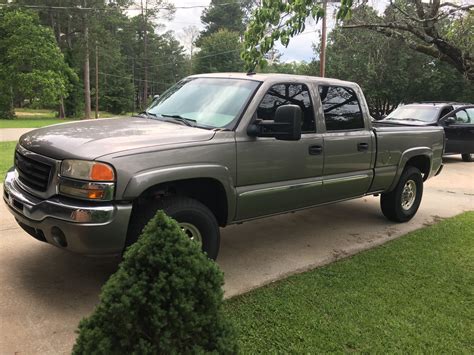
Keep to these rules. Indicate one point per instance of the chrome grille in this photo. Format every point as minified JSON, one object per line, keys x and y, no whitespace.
{"x":32,"y":173}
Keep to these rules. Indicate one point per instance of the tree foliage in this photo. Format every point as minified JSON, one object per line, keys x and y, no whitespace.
{"x":420,"y":25}
{"x":165,"y":298}
{"x":127,"y":76}
{"x":31,"y":64}
{"x":280,"y":20}
{"x":388,"y":70}
{"x":428,"y":28}
{"x":228,"y":45}
{"x":220,"y":15}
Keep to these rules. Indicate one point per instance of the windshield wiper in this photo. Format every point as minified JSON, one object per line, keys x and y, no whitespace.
{"x":187,"y":121}
{"x":146,"y":114}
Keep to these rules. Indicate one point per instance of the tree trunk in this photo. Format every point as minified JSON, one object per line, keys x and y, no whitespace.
{"x":87,"y":86}
{"x":96,"y":81}
{"x":322,"y":55}
{"x":62,"y":113}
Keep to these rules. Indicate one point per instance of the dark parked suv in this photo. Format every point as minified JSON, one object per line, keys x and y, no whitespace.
{"x":457,"y":119}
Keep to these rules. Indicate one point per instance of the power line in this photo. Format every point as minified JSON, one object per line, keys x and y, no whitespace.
{"x":135,"y":79}
{"x":181,"y":60}
{"x":47,"y":7}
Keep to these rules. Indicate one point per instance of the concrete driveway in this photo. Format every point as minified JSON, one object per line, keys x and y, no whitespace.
{"x":45,"y":292}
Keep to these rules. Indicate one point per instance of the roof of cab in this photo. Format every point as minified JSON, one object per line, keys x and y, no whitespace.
{"x":274,"y":77}
{"x":438,"y":103}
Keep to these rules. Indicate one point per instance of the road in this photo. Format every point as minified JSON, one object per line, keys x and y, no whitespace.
{"x":12,"y":134}
{"x":45,"y":291}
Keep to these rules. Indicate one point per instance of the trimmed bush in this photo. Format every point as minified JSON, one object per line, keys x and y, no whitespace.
{"x":166,"y":297}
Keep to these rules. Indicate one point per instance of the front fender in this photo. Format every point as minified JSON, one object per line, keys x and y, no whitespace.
{"x":149,"y":178}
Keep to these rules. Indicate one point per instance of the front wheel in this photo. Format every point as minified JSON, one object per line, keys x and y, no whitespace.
{"x":467,"y":157}
{"x":401,"y":204}
{"x":195,"y":219}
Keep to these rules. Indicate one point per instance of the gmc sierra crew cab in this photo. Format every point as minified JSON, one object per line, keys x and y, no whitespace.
{"x":213,"y":150}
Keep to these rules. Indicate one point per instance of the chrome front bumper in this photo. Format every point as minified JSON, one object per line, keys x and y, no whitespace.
{"x":79,"y":226}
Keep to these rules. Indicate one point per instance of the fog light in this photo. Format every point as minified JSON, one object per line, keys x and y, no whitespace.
{"x":59,"y":237}
{"x":102,"y":191}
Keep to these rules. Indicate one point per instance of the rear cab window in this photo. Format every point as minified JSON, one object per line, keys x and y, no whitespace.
{"x":341,"y":107}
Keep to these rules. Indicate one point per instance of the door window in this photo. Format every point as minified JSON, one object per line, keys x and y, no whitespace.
{"x":341,"y":108}
{"x":470,"y":113}
{"x":461,"y":117}
{"x":285,"y":94}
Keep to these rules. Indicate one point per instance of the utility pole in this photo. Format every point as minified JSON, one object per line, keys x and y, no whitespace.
{"x":322,"y":55}
{"x":96,"y":80}
{"x":87,"y":85}
{"x":133,"y":84}
{"x":145,"y":50}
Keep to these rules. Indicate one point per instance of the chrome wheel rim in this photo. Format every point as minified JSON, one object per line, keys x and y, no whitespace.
{"x":408,"y":195}
{"x":192,"y":232}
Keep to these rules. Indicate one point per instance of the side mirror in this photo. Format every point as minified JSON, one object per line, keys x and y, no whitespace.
{"x":449,"y":120}
{"x":156,"y":97}
{"x":286,"y":126}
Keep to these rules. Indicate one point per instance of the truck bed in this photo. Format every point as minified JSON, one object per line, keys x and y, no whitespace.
{"x":394,"y":143}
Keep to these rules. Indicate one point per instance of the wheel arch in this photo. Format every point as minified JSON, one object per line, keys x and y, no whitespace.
{"x":420,"y":158}
{"x":211,"y":185}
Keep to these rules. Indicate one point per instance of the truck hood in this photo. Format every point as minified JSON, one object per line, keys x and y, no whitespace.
{"x":91,"y":139}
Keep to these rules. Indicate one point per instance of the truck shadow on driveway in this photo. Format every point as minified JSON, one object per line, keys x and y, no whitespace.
{"x":251,"y":253}
{"x":454,"y":159}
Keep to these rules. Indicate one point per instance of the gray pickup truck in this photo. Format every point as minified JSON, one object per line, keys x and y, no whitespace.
{"x":214,"y":150}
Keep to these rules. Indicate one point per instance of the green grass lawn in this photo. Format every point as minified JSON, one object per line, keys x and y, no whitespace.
{"x":412,"y":295}
{"x":6,"y":157}
{"x":28,"y":118}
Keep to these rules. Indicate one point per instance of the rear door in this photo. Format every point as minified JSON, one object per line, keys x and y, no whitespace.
{"x":348,"y":144}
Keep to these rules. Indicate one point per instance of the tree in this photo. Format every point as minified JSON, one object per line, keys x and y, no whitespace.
{"x":165,"y":298}
{"x":129,"y":69}
{"x":275,"y":20}
{"x":219,"y":53}
{"x":220,"y":15}
{"x":419,"y":24}
{"x":149,"y":10}
{"x":73,"y":23}
{"x":31,"y":64}
{"x":424,"y":27}
{"x":387,"y":69}
{"x":189,"y":37}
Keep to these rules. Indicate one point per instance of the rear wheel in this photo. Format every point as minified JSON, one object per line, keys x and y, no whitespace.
{"x":467,"y":157}
{"x":196,"y":220}
{"x":401,"y":204}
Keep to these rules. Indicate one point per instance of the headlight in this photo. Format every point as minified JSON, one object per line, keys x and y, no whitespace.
{"x":87,"y":170}
{"x":88,"y":180}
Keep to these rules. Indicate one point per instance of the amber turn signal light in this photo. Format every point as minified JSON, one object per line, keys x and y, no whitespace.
{"x":102,"y":172}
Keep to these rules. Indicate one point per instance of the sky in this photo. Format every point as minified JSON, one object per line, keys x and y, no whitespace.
{"x":300,"y":47}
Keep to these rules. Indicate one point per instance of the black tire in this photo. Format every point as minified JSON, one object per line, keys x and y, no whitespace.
{"x":183,"y":210}
{"x":467,"y":157}
{"x":392,"y":203}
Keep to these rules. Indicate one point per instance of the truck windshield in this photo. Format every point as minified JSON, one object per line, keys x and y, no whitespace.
{"x":414,"y":113}
{"x":204,"y":102}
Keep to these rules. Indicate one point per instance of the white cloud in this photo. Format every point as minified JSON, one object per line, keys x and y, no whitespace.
{"x":300,"y":47}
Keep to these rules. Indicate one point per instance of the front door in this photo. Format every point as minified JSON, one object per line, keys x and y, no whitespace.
{"x":275,"y":175}
{"x":348,"y":145}
{"x":460,"y":134}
